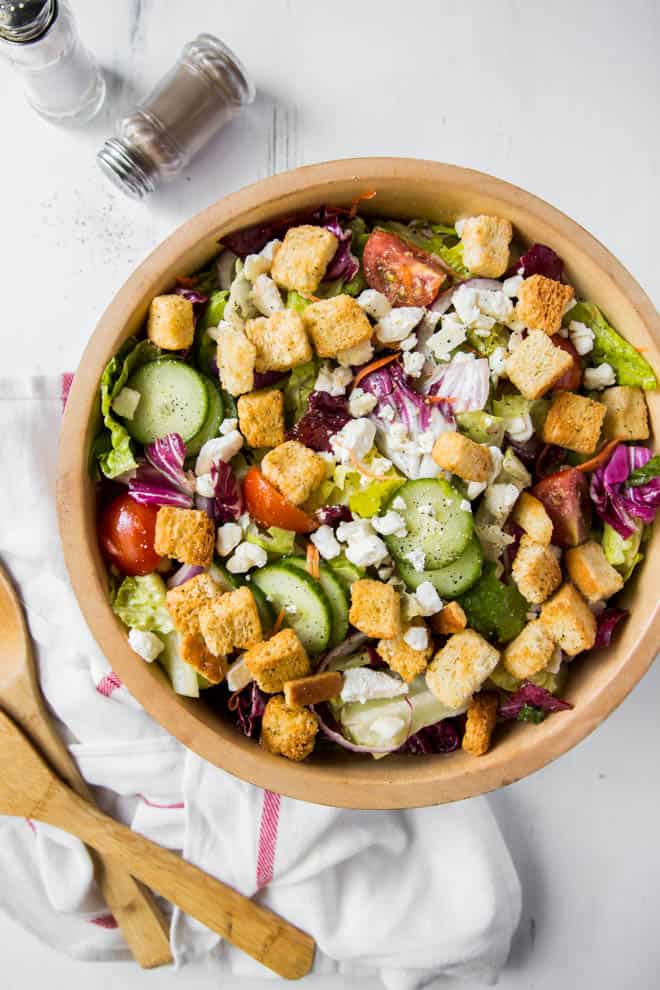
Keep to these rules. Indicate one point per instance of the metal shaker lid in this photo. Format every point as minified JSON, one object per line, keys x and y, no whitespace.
{"x":25,"y":20}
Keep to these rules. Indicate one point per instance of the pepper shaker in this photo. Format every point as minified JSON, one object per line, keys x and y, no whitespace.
{"x":201,"y":93}
{"x":62,"y":79}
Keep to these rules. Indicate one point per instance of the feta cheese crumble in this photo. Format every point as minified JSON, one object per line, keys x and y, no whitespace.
{"x":374,"y":303}
{"x":359,"y":354}
{"x":228,"y":426}
{"x":334,"y":382}
{"x":326,"y":543}
{"x":391,"y":524}
{"x":599,"y":377}
{"x":357,"y":436}
{"x":218,"y":449}
{"x":413,"y":363}
{"x":361,"y":403}
{"x":363,"y":684}
{"x":582,"y":337}
{"x":204,"y":486}
{"x":398,"y":323}
{"x":238,"y":676}
{"x":417,"y":637}
{"x":246,"y":556}
{"x":428,"y":599}
{"x":146,"y":644}
{"x":228,"y":537}
{"x":418,"y":560}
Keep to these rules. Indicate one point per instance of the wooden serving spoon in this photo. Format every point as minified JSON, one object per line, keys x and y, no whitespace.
{"x":29,"y":788}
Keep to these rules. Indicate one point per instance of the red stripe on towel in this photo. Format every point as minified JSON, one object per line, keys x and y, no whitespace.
{"x":33,"y":827}
{"x":108,"y":684}
{"x":65,"y":387}
{"x":270,"y":816}
{"x":154,"y":804}
{"x":104,"y":921}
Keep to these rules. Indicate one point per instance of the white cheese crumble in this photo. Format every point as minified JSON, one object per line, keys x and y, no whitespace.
{"x":361,"y":403}
{"x":599,"y":377}
{"x":398,"y":323}
{"x":391,"y":524}
{"x":398,"y":503}
{"x":409,"y":343}
{"x":374,"y":303}
{"x":266,"y":296}
{"x":417,"y":637}
{"x":363,"y":684}
{"x":520,"y":428}
{"x":246,"y":556}
{"x":582,"y":337}
{"x":413,"y":363}
{"x":428,"y":598}
{"x":228,"y":426}
{"x":333,"y":381}
{"x":218,"y":449}
{"x":238,"y":676}
{"x":360,"y":354}
{"x":417,"y":558}
{"x":450,"y":336}
{"x":125,"y":403}
{"x":326,"y":543}
{"x":204,"y":486}
{"x":357,"y":436}
{"x":146,"y":644}
{"x":227,"y":538}
{"x":511,"y":286}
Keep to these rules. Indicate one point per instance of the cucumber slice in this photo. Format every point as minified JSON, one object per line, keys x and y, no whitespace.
{"x":211,"y":424}
{"x":442,"y":535}
{"x":452,"y":580}
{"x":220,"y":574}
{"x":173,"y":399}
{"x":347,"y":573}
{"x":264,"y":608}
{"x":183,"y":677}
{"x":286,"y":586}
{"x":336,"y":594}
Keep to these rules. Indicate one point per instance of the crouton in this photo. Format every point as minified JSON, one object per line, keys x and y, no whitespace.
{"x":288,"y":730}
{"x":457,"y":453}
{"x":452,"y":619}
{"x":184,"y":603}
{"x":486,"y":245}
{"x":529,"y":513}
{"x":230,"y":622}
{"x":313,"y":690}
{"x":480,"y":722}
{"x":187,"y":535}
{"x":626,"y":413}
{"x":569,"y":621}
{"x":281,"y":341}
{"x":574,"y":422}
{"x":301,"y":260}
{"x":261,"y":418}
{"x":375,"y":609}
{"x":236,"y":360}
{"x":277,"y":660}
{"x":529,"y":652}
{"x":542,"y":303}
{"x":535,"y":570}
{"x":402,"y":658}
{"x":460,"y":668}
{"x":591,"y":572}
{"x":171,"y":322}
{"x":294,"y":469}
{"x":336,"y":325}
{"x":195,"y":652}
{"x":536,"y":364}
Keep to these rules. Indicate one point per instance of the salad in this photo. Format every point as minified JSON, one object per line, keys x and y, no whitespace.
{"x":373,"y":483}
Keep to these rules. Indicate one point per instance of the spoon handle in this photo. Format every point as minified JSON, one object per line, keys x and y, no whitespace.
{"x":261,"y":934}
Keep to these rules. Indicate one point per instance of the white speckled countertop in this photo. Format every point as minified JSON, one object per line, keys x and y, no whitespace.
{"x":560,"y":98}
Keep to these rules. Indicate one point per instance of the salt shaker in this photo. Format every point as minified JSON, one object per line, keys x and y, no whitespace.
{"x":201,"y":93}
{"x":62,"y":79}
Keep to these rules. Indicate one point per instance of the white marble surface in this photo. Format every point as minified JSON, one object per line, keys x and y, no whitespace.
{"x":560,"y":98}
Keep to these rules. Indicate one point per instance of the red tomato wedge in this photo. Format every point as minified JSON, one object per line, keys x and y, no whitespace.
{"x":403,"y":273}
{"x":571,"y":380}
{"x":268,"y":507}
{"x":126,"y":534}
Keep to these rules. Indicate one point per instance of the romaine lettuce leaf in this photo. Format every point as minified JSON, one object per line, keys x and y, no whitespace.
{"x":630,"y":367}
{"x":116,"y":456}
{"x":140,"y":603}
{"x":622,"y":554}
{"x":299,"y":387}
{"x":275,"y":541}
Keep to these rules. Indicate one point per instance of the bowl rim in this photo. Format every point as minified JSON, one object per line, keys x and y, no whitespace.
{"x":429,"y":781}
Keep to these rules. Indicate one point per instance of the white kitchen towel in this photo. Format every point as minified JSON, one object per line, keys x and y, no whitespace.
{"x":416,"y":895}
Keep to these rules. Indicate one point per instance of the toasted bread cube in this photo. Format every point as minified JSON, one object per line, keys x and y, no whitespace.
{"x":236,"y":360}
{"x":535,"y":570}
{"x":460,"y":668}
{"x":261,"y":418}
{"x":480,"y":722}
{"x":457,"y":453}
{"x":529,"y":513}
{"x":171,"y":322}
{"x":569,"y":621}
{"x":231,"y":622}
{"x":195,"y":652}
{"x":542,"y":303}
{"x":536,"y":364}
{"x":529,"y":652}
{"x":277,"y":660}
{"x":187,"y":535}
{"x":574,"y":422}
{"x":591,"y":572}
{"x":281,"y":341}
{"x":336,"y":324}
{"x":486,"y":245}
{"x":452,"y":619}
{"x":301,"y":260}
{"x":184,"y":603}
{"x":294,"y":469}
{"x":626,"y":415}
{"x":313,"y":690}
{"x":288,"y":730}
{"x":375,"y":609}
{"x":402,"y":658}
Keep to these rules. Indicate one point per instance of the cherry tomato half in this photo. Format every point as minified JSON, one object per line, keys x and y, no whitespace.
{"x":571,"y":380}
{"x":268,"y":507}
{"x":126,"y":535}
{"x":405,"y":274}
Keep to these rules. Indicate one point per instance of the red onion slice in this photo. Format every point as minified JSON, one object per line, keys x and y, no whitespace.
{"x":351,"y":644}
{"x":183,"y":574}
{"x":342,"y":741}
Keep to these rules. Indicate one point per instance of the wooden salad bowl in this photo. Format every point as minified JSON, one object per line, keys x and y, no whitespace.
{"x":405,"y":188}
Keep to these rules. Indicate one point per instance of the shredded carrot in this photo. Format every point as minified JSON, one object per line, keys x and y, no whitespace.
{"x":434,"y":400}
{"x":233,"y":700}
{"x":313,"y":557}
{"x":641,"y":349}
{"x":374,"y":366}
{"x":186,"y":281}
{"x":351,"y":211}
{"x":602,"y":455}
{"x":313,"y":298}
{"x":362,"y":468}
{"x":281,"y":616}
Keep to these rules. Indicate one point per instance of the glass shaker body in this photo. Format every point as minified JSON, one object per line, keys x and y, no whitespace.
{"x":201,"y":93}
{"x":62,"y":80}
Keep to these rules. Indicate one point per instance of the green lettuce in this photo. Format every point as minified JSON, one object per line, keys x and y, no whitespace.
{"x":630,"y":367}
{"x":116,"y":450}
{"x":554,"y":683}
{"x":496,"y":610}
{"x":622,"y":554}
{"x":294,"y":300}
{"x":642,"y":475}
{"x":275,"y":541}
{"x":434,"y":238}
{"x":364,"y":500}
{"x":497,"y":337}
{"x":140,"y":603}
{"x":481,"y":427}
{"x":298,"y":388}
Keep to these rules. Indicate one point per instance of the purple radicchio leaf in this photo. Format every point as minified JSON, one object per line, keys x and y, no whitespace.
{"x":344,"y":264}
{"x":606,"y":624}
{"x":249,"y":709}
{"x":526,"y":450}
{"x":443,"y":737}
{"x":534,"y":696}
{"x":332,"y":515}
{"x":510,"y":551}
{"x":539,"y":260}
{"x":253,"y":239}
{"x":195,"y":297}
{"x":161,"y":480}
{"x":167,"y":455}
{"x":228,"y":503}
{"x":264,"y":379}
{"x":617,"y":504}
{"x":326,"y":415}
